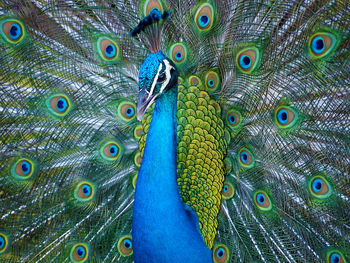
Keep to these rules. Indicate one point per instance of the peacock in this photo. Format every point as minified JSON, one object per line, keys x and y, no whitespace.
{"x":175,"y":131}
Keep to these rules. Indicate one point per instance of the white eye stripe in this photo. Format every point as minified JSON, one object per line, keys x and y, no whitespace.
{"x":155,"y":81}
{"x":168,"y":68}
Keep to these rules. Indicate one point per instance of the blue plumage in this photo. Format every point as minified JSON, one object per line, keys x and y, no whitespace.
{"x":158,"y":208}
{"x":163,"y":230}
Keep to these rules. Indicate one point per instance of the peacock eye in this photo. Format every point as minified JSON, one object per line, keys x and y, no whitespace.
{"x":108,"y":49}
{"x":227,"y":191}
{"x":125,"y":246}
{"x":22,"y":169}
{"x":204,"y":17}
{"x":12,"y":30}
{"x":321,"y":44}
{"x":285,"y":117}
{"x":247,"y":59}
{"x":84,"y":191}
{"x":233,"y":119}
{"x":151,"y":5}
{"x":318,"y":45}
{"x":79,"y":253}
{"x":178,"y":53}
{"x":246,"y":158}
{"x":15,"y":31}
{"x":161,"y":78}
{"x":25,"y":167}
{"x":59,"y":105}
{"x":220,"y":254}
{"x":262,"y":201}
{"x":62,"y":104}
{"x":137,"y":159}
{"x":194,"y":81}
{"x":319,"y":187}
{"x":3,"y":242}
{"x":282,"y":116}
{"x":127,"y":110}
{"x":203,"y":20}
{"x":111,"y":151}
{"x":178,"y":56}
{"x":212,"y":81}
{"x":138,"y":132}
{"x":335,"y":256}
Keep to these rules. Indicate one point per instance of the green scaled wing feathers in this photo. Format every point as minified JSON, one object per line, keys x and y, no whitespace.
{"x":201,"y":150}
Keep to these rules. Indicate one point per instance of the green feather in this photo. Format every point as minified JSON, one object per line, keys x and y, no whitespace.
{"x":268,"y":78}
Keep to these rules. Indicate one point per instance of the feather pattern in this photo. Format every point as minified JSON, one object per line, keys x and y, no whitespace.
{"x":262,"y":117}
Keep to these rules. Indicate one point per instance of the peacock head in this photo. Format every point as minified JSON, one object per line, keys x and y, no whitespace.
{"x":157,"y":75}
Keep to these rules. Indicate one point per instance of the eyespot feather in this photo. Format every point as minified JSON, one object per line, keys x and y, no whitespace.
{"x":335,"y":256}
{"x":111,"y":150}
{"x":246,"y":158}
{"x":228,"y":190}
{"x":125,"y":246}
{"x":212,"y":81}
{"x":59,"y":105}
{"x":204,"y":17}
{"x":262,"y":201}
{"x":107,"y":49}
{"x":12,"y":30}
{"x":247,"y":59}
{"x":84,"y":191}
{"x":221,"y":254}
{"x":79,"y":253}
{"x":127,"y":110}
{"x":322,"y":44}
{"x":23,"y":169}
{"x":319,"y":187}
{"x":178,"y":53}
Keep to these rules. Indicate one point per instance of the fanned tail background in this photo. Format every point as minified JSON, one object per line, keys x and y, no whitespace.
{"x":69,"y":136}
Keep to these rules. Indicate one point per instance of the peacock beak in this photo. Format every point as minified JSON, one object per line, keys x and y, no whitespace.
{"x":145,"y":100}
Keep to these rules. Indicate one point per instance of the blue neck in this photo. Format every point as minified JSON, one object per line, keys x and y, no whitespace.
{"x":163,"y":229}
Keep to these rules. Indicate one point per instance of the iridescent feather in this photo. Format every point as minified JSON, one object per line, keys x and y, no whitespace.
{"x":263,"y":125}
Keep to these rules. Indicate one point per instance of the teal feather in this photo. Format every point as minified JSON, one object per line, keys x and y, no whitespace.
{"x":271,"y":81}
